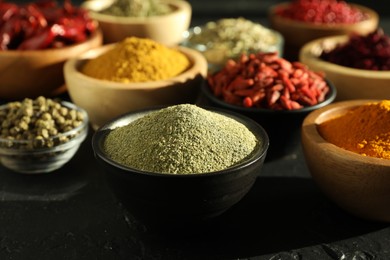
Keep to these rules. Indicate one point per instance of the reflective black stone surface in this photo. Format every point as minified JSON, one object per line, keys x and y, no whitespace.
{"x":72,"y":213}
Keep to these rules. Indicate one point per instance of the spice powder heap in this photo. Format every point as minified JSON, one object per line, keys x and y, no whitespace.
{"x":137,"y":60}
{"x":137,"y":8}
{"x":364,"y":130}
{"x":181,"y":139}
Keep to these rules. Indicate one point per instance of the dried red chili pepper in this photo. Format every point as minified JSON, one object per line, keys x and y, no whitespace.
{"x":322,"y":12}
{"x":265,"y":80}
{"x":369,"y":52}
{"x":43,"y":24}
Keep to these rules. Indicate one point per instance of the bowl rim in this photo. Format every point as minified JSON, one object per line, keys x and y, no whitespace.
{"x":179,"y":8}
{"x":71,"y":68}
{"x":312,"y":49}
{"x":80,"y":133}
{"x":198,"y":30}
{"x":373,"y":16}
{"x":258,"y":154}
{"x":95,"y":36}
{"x":313,"y":119}
{"x":330,"y":97}
{"x":215,"y":65}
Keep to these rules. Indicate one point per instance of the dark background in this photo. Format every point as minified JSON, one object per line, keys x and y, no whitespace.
{"x":250,"y":8}
{"x":72,"y":214}
{"x":205,"y":10}
{"x":258,"y":8}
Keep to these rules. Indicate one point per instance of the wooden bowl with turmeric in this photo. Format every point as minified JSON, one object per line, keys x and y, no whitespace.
{"x":133,"y":74}
{"x":346,"y":147}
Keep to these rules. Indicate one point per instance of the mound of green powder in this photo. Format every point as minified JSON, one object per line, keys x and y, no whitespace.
{"x":137,"y":8}
{"x":180,"y":139}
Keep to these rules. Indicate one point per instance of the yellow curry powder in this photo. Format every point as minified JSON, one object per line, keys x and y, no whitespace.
{"x":364,"y":130}
{"x":137,"y":60}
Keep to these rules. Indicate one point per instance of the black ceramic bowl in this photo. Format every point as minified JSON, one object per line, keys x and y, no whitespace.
{"x":169,"y":199}
{"x":282,"y":126}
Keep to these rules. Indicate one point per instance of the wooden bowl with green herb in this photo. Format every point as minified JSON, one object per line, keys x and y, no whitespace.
{"x":165,"y":28}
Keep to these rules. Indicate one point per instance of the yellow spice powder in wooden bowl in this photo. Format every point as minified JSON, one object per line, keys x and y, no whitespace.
{"x":364,"y":130}
{"x":137,"y":60}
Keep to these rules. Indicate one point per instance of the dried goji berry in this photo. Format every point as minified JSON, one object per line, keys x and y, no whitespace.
{"x":265,"y":80}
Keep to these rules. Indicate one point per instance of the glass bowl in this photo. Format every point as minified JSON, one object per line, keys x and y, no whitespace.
{"x":19,"y":156}
{"x":217,"y":52}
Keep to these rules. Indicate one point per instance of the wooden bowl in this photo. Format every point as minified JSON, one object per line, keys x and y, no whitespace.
{"x":104,"y":100}
{"x":358,"y":184}
{"x":350,"y":83}
{"x":297,"y":33}
{"x":166,"y":29}
{"x":31,"y":73}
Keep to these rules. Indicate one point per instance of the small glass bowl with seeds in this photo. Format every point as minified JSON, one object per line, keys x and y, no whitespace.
{"x":40,"y":135}
{"x":228,"y":38}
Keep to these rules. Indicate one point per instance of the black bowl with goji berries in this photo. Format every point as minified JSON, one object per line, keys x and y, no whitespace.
{"x":276,"y":93}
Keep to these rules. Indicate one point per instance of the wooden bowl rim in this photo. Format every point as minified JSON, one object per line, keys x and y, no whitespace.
{"x":373,"y":17}
{"x":310,"y":53}
{"x":198,"y":63}
{"x":313,"y":119}
{"x":53,"y":51}
{"x":180,"y":7}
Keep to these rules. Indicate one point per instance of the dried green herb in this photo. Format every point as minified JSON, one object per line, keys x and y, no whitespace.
{"x":181,"y":139}
{"x":137,"y":8}
{"x":235,"y":36}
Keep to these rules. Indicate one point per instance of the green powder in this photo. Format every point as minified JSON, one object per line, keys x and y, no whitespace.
{"x":137,"y":8}
{"x":181,"y":139}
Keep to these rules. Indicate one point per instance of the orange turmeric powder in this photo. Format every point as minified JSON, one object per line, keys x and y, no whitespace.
{"x":364,"y":130}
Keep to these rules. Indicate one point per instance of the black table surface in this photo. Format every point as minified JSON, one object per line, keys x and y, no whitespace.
{"x":72,"y":214}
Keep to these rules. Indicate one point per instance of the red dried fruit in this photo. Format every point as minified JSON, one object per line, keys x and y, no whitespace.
{"x":322,"y":12}
{"x":265,"y":80}
{"x":43,"y":24}
{"x":369,"y":52}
